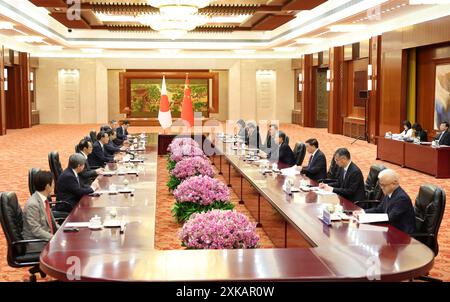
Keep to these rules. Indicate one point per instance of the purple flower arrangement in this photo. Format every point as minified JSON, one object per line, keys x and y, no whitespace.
{"x":181,"y":141}
{"x":180,"y":152}
{"x":203,"y":190}
{"x":193,"y":166}
{"x":200,"y":194}
{"x":188,"y":167}
{"x":218,"y":229}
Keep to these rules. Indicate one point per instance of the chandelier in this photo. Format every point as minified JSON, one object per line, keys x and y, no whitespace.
{"x":176,"y":18}
{"x":172,"y":27}
{"x":179,"y":7}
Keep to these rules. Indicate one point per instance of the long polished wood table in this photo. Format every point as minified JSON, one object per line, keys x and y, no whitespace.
{"x":341,"y":252}
{"x":422,"y":158}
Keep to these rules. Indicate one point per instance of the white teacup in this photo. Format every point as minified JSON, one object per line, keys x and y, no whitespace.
{"x":113,"y":212}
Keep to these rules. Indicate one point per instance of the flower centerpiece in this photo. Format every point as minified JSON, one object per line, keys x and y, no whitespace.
{"x":218,"y":229}
{"x":188,"y":167}
{"x":200,"y":194}
{"x":178,"y":153}
{"x":181,"y":141}
{"x":175,"y":146}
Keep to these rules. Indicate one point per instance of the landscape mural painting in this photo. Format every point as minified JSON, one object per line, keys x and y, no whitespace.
{"x":145,"y":95}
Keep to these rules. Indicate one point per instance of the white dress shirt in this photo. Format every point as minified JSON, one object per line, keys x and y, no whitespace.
{"x":407,"y":133}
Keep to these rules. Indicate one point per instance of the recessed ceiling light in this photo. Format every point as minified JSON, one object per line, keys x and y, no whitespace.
{"x":29,"y":39}
{"x":51,"y":47}
{"x":347,"y":28}
{"x":6,"y":25}
{"x":309,"y":40}
{"x":91,"y":50}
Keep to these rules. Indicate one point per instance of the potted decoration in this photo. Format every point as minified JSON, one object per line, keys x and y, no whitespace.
{"x":200,"y":194}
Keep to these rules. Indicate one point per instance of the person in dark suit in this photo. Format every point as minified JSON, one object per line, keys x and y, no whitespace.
{"x":444,"y":137}
{"x":241,"y":130}
{"x":317,"y":165}
{"x":271,"y":135}
{"x":350,"y":184}
{"x":111,"y":148}
{"x":88,"y":175}
{"x":270,"y":146}
{"x":396,"y":203}
{"x":418,"y":132}
{"x":285,"y":154}
{"x":69,"y":187}
{"x":253,"y":140}
{"x":334,"y":170}
{"x":122,"y":131}
{"x":99,"y":157}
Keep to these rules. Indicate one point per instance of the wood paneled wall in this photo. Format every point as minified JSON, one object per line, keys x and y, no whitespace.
{"x":15,"y":104}
{"x":336,"y":90}
{"x":2,"y":94}
{"x":308,"y":95}
{"x":393,"y":90}
{"x":25,"y":101}
{"x":394,"y":72}
{"x":427,"y":59}
{"x":374,"y":100}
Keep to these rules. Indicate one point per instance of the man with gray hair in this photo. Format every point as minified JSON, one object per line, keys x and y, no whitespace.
{"x":396,"y":203}
{"x":68,"y":187}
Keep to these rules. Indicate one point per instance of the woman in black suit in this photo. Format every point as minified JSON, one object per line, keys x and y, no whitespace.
{"x":419,"y":132}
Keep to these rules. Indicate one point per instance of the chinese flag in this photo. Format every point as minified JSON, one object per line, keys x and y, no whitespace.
{"x":187,"y":111}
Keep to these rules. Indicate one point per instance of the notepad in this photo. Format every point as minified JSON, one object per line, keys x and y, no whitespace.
{"x":323,"y":192}
{"x":290,"y":171}
{"x":372,"y":217}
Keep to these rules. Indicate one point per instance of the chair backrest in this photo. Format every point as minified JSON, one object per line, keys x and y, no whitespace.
{"x":31,"y":173}
{"x":299,"y":153}
{"x":93,"y":136}
{"x":372,"y":187}
{"x":287,"y":140}
{"x":334,"y":170}
{"x":429,"y":210}
{"x":55,"y":165}
{"x":12,"y":224}
{"x":77,"y":149}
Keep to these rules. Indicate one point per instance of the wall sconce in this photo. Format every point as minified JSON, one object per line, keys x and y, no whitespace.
{"x":369,"y":77}
{"x":31,"y":81}
{"x":328,"y":80}
{"x":5,"y":76}
{"x":300,"y":82}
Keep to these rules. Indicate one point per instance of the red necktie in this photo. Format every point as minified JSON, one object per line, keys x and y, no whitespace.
{"x":49,"y":216}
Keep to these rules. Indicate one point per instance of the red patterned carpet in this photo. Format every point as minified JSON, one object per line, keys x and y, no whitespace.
{"x":26,"y":148}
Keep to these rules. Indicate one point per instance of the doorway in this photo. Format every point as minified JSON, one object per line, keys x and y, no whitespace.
{"x":12,"y":97}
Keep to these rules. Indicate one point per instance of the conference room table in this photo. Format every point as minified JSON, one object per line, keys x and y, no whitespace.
{"x":420,"y":157}
{"x":306,"y":249}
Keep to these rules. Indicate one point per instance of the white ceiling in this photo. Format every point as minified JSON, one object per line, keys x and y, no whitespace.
{"x":377,"y":16}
